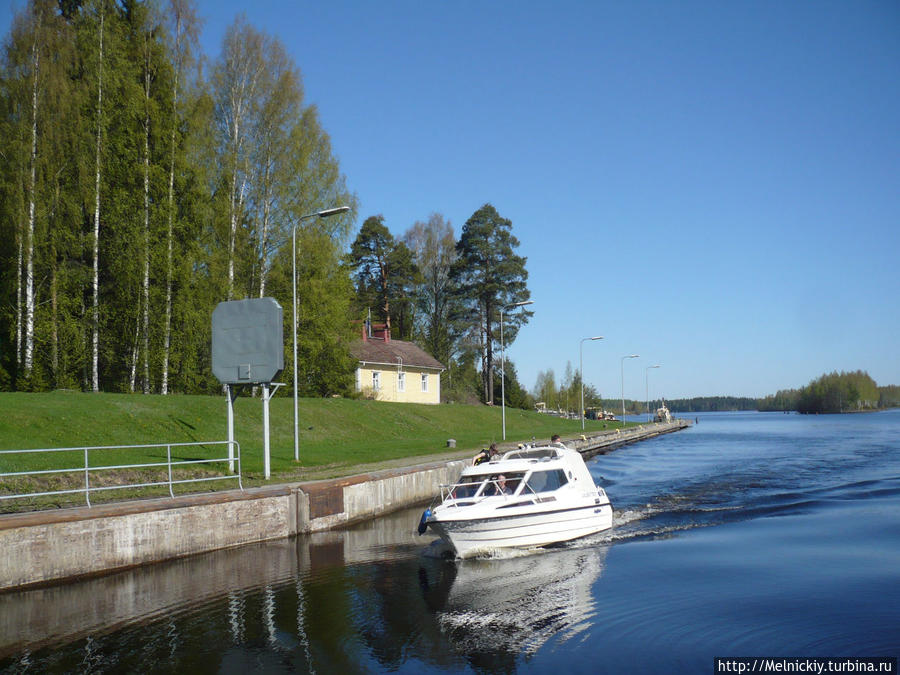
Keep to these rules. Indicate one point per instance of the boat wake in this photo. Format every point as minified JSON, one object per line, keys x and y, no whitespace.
{"x":666,"y":514}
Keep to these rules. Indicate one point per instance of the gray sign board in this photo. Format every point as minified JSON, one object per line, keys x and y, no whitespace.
{"x":247,"y":341}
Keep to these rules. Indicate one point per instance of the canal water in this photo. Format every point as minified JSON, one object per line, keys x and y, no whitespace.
{"x":750,"y":534}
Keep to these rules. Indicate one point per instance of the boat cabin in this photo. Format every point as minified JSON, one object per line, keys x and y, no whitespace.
{"x":525,"y":471}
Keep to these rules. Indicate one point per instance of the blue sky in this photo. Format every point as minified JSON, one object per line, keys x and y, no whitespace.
{"x":714,"y":186}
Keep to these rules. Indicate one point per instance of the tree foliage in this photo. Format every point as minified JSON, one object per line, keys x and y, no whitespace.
{"x":385,"y":275}
{"x":139,"y":189}
{"x":831,"y":393}
{"x":489,"y":277}
{"x":438,"y":309}
{"x":187,"y":186}
{"x":516,"y":395}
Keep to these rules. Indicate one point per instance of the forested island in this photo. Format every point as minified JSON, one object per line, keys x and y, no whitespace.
{"x":835,"y":393}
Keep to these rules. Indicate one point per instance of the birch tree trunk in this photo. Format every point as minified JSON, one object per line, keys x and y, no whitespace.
{"x":54,"y":338}
{"x":54,"y":291}
{"x":28,"y":362}
{"x":484,"y":360}
{"x":233,"y":240}
{"x":264,"y":239}
{"x":135,"y":353}
{"x":145,"y":332}
{"x":167,"y":327}
{"x":145,"y":309}
{"x":233,"y":231}
{"x":95,"y":319}
{"x":19,"y":299}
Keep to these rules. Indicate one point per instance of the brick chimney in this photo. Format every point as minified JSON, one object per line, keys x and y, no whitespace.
{"x":381,"y":332}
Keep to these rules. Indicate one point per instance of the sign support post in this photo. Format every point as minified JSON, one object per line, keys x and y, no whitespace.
{"x":266,"y":397}
{"x":231,"y":394}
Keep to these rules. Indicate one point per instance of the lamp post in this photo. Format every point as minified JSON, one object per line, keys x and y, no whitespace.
{"x":647,"y":384}
{"x":503,"y":362}
{"x":632,"y":356}
{"x":581,"y":371}
{"x":320,"y":214}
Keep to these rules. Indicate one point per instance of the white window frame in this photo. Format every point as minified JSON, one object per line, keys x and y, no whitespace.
{"x":425,"y":382}
{"x":376,"y":380}
{"x":401,"y":381}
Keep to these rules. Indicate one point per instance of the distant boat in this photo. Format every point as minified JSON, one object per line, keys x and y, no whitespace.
{"x":663,"y":414}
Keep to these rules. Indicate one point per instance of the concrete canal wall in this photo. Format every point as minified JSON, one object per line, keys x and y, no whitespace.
{"x":45,"y":546}
{"x":607,"y":441}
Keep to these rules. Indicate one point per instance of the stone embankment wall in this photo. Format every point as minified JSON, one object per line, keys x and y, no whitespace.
{"x":606,"y":441}
{"x":41,"y":547}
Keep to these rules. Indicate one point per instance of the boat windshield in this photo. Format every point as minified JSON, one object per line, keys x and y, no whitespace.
{"x":546,"y":481}
{"x":486,"y":485}
{"x":533,"y":453}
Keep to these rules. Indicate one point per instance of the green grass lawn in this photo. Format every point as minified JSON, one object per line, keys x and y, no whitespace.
{"x":336,"y":435}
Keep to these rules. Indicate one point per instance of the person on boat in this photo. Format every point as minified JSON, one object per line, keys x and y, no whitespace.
{"x":502,"y":488}
{"x":556,"y":439}
{"x":486,"y":455}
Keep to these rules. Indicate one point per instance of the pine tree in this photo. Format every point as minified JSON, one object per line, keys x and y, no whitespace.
{"x":384,"y":271}
{"x":490,"y":276}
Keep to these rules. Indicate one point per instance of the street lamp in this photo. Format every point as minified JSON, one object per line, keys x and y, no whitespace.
{"x":581,"y":367}
{"x":503,"y":361}
{"x":320,"y":214}
{"x":647,"y":384}
{"x":633,"y":356}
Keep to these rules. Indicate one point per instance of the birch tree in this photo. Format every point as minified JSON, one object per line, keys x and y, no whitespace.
{"x":184,"y":30}
{"x":434,"y":251}
{"x":147,"y":35}
{"x":235,"y":79}
{"x":35,"y":80}
{"x":95,"y":282}
{"x":28,"y":30}
{"x":278,"y":110}
{"x":60,"y":252}
{"x":16,"y":85}
{"x":28,"y":361}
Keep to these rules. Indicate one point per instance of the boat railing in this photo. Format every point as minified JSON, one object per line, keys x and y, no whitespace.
{"x":87,"y":475}
{"x":491,"y":489}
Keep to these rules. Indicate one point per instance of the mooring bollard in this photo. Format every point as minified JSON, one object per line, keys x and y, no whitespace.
{"x":451,"y":442}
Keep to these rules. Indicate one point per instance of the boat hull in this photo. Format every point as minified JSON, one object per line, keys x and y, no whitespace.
{"x":470,"y":537}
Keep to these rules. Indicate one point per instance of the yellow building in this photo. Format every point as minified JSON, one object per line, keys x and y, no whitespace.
{"x":395,"y":370}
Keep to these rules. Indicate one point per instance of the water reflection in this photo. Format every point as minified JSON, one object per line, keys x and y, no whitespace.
{"x":66,"y":612}
{"x":513,"y":605}
{"x":336,"y":600}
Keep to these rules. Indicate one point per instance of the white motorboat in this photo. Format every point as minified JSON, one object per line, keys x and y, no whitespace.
{"x":533,"y":496}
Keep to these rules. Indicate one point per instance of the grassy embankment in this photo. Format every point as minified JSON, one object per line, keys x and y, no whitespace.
{"x":336,"y":435}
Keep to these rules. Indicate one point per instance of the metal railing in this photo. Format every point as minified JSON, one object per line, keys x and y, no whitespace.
{"x":491,"y":488}
{"x":87,"y":469}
